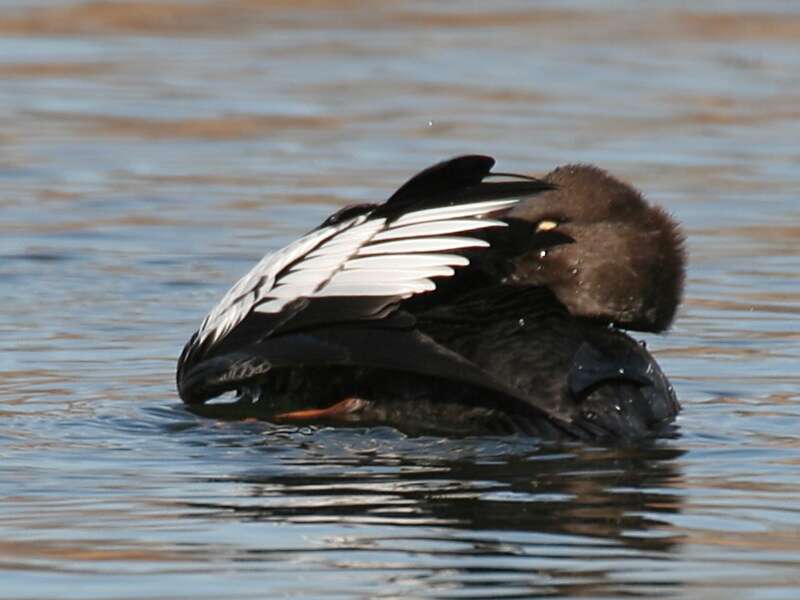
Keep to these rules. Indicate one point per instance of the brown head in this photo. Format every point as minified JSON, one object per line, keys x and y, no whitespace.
{"x":602,"y":250}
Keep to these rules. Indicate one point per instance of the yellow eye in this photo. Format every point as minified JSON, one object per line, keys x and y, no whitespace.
{"x":546,"y":226}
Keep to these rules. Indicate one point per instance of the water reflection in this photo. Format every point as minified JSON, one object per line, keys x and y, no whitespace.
{"x":515,"y":514}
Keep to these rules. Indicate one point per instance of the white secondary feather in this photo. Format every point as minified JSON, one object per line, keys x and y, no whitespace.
{"x":434,"y":228}
{"x":394,"y":288}
{"x":358,"y":257}
{"x":422,"y":245}
{"x":235,"y":304}
{"x":406,"y":261}
{"x":476,"y":209}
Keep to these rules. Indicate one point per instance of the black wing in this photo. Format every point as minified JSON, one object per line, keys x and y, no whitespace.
{"x":297,"y":306}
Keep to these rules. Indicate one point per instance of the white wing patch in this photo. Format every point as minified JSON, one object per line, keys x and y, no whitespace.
{"x":358,"y":257}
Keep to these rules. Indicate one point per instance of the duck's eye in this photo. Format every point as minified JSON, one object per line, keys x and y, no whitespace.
{"x":546,"y":225}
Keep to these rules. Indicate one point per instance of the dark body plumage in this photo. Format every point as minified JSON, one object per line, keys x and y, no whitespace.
{"x":379,"y":307}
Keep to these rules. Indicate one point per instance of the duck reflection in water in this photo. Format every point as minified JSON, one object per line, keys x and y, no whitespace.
{"x":563,"y":516}
{"x":469,"y":302}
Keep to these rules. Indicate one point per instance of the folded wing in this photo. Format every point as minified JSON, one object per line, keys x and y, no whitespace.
{"x":332,"y":296}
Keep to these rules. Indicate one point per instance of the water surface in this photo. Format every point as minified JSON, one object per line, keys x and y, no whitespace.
{"x":151,"y":153}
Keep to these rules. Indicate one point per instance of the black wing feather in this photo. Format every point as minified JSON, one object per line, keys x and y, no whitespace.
{"x":355,"y":330}
{"x":391,"y":349}
{"x":444,"y":177}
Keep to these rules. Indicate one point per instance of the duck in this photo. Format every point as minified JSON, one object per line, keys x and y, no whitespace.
{"x":470,"y":302}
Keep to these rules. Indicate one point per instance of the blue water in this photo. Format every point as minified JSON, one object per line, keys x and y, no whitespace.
{"x":150,"y":154}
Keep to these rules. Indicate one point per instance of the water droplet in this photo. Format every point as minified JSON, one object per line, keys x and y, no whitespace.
{"x":542,"y":253}
{"x":617,"y":408}
{"x":621,"y":371}
{"x":574,"y":271}
{"x":430,"y":123}
{"x":521,"y":322}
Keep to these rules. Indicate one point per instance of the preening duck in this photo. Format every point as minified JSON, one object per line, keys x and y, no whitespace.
{"x":468,"y":302}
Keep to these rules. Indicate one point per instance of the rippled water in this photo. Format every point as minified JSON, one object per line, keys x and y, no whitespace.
{"x":150,"y":153}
